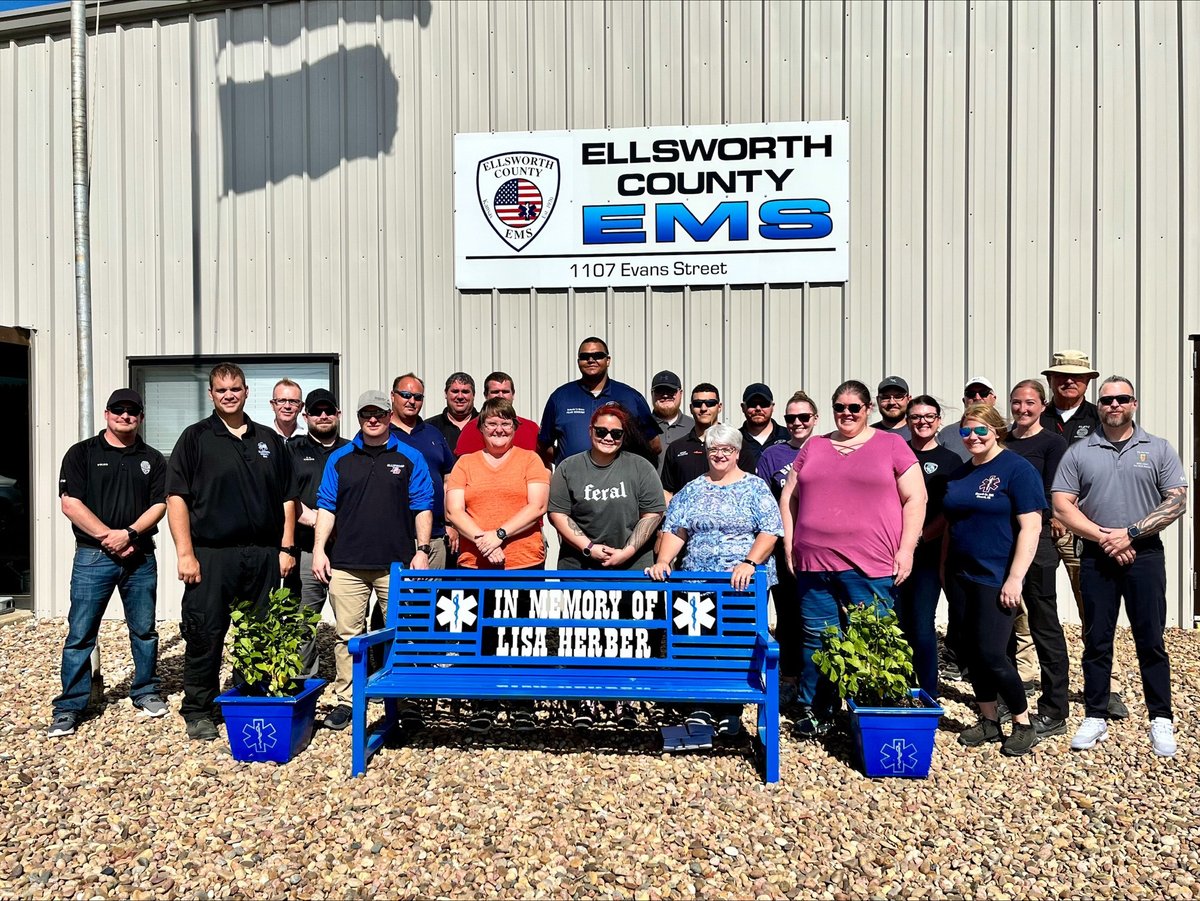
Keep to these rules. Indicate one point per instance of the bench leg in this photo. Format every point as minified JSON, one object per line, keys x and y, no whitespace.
{"x":358,"y":734}
{"x":768,"y":726}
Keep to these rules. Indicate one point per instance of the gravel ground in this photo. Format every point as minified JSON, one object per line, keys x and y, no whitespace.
{"x":129,"y":808}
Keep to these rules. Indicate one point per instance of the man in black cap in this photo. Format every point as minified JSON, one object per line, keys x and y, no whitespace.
{"x":686,"y":458}
{"x":310,"y":451}
{"x":760,"y":430}
{"x":113,"y":490}
{"x":892,"y":399}
{"x":230,"y":504}
{"x":666,"y":395}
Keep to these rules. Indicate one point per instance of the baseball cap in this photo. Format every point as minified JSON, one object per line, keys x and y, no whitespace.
{"x":373,"y":398}
{"x":124,"y":396}
{"x":979,"y":380}
{"x":1071,"y":362}
{"x":892,"y":381}
{"x":758,"y":389}
{"x":666,"y":379}
{"x":320,"y":396}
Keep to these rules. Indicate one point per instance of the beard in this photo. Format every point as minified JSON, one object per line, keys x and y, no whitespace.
{"x":321,"y":431}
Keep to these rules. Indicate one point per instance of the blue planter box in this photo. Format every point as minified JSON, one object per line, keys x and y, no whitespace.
{"x":275,"y":729}
{"x":896,"y":741}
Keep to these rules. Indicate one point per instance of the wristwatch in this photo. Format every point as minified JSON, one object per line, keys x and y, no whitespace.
{"x":425,"y":549}
{"x":133,"y":533}
{"x":291,"y":550}
{"x":587,"y":551}
{"x":1134,"y":532}
{"x":501,"y":534}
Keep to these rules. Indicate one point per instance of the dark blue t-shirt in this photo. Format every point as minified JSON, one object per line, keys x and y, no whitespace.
{"x":431,"y":444}
{"x":982,"y":504}
{"x":568,"y":415}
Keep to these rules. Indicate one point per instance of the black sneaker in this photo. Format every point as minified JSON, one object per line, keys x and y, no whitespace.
{"x":807,"y":725}
{"x":1021,"y":741}
{"x":1032,"y":687}
{"x":64,"y":723}
{"x":410,"y":719}
{"x":338,"y":718}
{"x":522,"y":720}
{"x":1003,"y":714}
{"x":627,"y":717}
{"x":1048,"y":725}
{"x":729,"y":726}
{"x":202,"y":729}
{"x":981,"y":733}
{"x":1116,"y":707}
{"x":480,"y":722}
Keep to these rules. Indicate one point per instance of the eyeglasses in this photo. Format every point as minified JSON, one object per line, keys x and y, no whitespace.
{"x":977,"y":395}
{"x":321,"y":411}
{"x":368,"y":415}
{"x":602,"y":432}
{"x":849,"y":408}
{"x":790,"y":418}
{"x":707,"y":402}
{"x":410,"y":395}
{"x":721,"y":450}
{"x":923,"y":417}
{"x":1115,"y":400}
{"x":125,"y":410}
{"x":980,"y":430}
{"x":593,"y":357}
{"x":286,"y":402}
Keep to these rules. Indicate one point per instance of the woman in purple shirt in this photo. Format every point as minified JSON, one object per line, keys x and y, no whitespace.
{"x":853,"y":507}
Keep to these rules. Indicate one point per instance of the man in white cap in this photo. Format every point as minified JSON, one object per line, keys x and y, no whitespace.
{"x":978,"y":390}
{"x":666,"y":395}
{"x":1074,"y":417}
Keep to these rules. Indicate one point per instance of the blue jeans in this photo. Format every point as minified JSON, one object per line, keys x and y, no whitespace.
{"x":822,"y":597}
{"x":916,"y":608}
{"x":94,"y":575}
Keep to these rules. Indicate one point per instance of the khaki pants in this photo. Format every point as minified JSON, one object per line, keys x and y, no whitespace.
{"x":350,"y":595}
{"x":1026,"y":654}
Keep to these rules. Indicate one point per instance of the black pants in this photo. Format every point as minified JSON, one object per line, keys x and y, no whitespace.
{"x":1143,"y":585}
{"x":987,"y":627}
{"x":788,"y":623}
{"x":226,"y":575}
{"x":1041,"y":601}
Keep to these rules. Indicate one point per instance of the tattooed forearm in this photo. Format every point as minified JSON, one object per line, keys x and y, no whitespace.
{"x":1173,"y":506}
{"x":575,"y":528}
{"x":644,"y":530}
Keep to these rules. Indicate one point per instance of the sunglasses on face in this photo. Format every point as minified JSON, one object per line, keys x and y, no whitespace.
{"x":790,"y":418}
{"x":322,"y":411}
{"x":977,"y":395}
{"x":980,"y":430}
{"x":592,"y":357}
{"x":1114,"y":400}
{"x":697,"y":404}
{"x":922,"y":417}
{"x":758,"y":405}
{"x":125,"y":410}
{"x":409,"y":395}
{"x":602,"y":432}
{"x":368,"y":415}
{"x":848,"y":408}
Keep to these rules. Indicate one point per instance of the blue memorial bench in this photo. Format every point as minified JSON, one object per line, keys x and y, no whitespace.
{"x":558,"y":635}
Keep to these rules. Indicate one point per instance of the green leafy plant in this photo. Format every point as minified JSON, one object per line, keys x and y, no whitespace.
{"x":871,"y":662}
{"x":265,"y":648}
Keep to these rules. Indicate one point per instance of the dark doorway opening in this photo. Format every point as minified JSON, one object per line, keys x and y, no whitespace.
{"x":15,"y":518}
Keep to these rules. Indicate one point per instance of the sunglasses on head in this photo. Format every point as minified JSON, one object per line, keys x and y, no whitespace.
{"x":125,"y":410}
{"x":789,"y":418}
{"x":980,"y":430}
{"x":594,"y":356}
{"x":707,"y":402}
{"x":602,"y":432}
{"x":410,"y":395}
{"x":1114,"y":400}
{"x":848,"y":408}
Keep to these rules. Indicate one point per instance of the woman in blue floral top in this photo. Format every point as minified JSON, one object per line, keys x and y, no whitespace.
{"x":730,"y":522}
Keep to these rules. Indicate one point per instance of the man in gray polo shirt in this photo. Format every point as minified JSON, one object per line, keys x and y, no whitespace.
{"x":666,"y":395}
{"x":1117,"y":490}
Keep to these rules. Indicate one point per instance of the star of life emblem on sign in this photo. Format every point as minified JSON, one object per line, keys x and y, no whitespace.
{"x":456,"y":610}
{"x":259,"y":735}
{"x":694,"y":614}
{"x":517,"y":192}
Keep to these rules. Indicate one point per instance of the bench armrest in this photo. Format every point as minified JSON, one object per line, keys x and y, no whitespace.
{"x":359,"y":643}
{"x":769,"y":646}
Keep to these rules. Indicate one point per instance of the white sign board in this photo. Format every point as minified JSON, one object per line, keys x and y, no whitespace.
{"x":670,"y":205}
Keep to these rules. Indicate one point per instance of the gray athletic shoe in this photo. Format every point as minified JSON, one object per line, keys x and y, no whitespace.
{"x":151,"y":705}
{"x":202,"y":729}
{"x":64,"y":723}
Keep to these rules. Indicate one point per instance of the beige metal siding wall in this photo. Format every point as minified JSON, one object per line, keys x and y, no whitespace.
{"x":278,"y":178}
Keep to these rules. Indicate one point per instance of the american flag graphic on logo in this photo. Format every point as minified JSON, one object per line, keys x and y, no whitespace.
{"x":518,"y":202}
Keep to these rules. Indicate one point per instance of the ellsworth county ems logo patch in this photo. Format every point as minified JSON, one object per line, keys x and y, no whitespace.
{"x":516,"y":193}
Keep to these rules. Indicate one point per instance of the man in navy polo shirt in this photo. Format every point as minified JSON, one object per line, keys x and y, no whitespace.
{"x":113,"y":491}
{"x":378,"y":493}
{"x":408,"y":398}
{"x":566,"y":421}
{"x":230,"y":504}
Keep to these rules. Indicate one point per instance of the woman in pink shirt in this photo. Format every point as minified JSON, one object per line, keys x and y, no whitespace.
{"x":853,"y":507}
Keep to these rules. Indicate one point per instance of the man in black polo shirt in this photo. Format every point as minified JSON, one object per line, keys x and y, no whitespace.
{"x":230,"y":505}
{"x":760,"y":430}
{"x":460,"y":410}
{"x":113,"y":491}
{"x":310,"y":450}
{"x":379,"y":494}
{"x":685,"y":458}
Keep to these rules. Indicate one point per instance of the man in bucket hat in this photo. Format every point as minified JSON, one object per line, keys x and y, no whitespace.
{"x":1071,"y":415}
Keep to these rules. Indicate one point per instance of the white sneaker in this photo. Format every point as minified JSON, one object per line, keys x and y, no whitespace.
{"x":1092,"y":730}
{"x":1162,"y":736}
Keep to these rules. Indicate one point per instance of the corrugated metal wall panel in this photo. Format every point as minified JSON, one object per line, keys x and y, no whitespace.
{"x":274,"y":179}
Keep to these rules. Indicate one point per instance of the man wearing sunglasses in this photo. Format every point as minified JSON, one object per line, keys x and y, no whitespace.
{"x":759,"y":429}
{"x":379,"y":494}
{"x":113,"y":490}
{"x":1117,"y":490}
{"x":230,"y":505}
{"x":566,"y":420}
{"x":978,"y":390}
{"x":310,"y":451}
{"x":286,"y":404}
{"x":408,"y":397}
{"x":686,"y":458}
